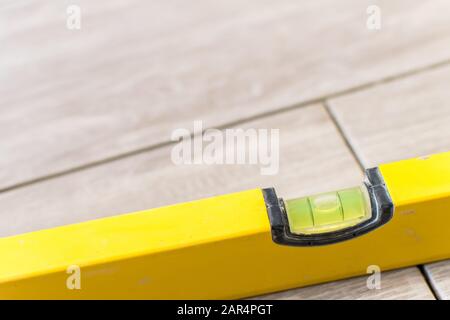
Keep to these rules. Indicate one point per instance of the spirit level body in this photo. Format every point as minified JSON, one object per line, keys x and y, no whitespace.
{"x":222,"y":247}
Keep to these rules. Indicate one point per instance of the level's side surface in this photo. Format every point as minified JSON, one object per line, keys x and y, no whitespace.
{"x":109,"y":248}
{"x":222,"y":247}
{"x":417,"y":180}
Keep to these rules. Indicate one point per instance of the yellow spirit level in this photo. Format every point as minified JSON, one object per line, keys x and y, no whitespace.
{"x":242,"y":244}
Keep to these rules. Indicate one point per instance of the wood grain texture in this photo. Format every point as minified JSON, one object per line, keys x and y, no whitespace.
{"x":400,"y":120}
{"x":313,"y":157}
{"x":439,"y":274}
{"x":138,"y":69}
{"x":404,"y":284}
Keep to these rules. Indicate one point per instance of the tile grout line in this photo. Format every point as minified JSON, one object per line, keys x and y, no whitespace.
{"x":341,"y":93}
{"x":305,"y":103}
{"x":422,"y":269}
{"x":429,"y":280}
{"x":344,"y":135}
{"x":85,"y":166}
